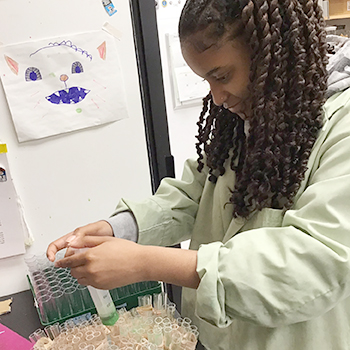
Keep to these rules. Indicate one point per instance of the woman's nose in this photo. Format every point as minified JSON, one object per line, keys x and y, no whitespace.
{"x":218,"y":93}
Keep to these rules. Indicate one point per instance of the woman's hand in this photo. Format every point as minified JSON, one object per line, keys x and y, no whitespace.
{"x":113,"y":262}
{"x":99,"y":228}
{"x":109,"y":263}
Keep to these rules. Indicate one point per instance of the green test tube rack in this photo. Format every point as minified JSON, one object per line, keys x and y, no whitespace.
{"x":58,"y":296}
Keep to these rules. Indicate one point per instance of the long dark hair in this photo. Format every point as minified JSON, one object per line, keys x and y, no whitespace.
{"x":288,"y":82}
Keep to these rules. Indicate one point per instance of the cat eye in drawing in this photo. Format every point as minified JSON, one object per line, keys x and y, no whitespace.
{"x":33,"y":74}
{"x":77,"y":67}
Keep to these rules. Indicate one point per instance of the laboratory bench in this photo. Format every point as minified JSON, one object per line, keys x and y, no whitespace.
{"x":23,"y":318}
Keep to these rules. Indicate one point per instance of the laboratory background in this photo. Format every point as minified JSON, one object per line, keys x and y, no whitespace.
{"x":56,"y":176}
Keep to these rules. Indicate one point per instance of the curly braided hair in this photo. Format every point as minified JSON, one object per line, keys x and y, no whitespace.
{"x":288,"y":82}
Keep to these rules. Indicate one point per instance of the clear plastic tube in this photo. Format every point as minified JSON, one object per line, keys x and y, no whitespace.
{"x":90,"y":347}
{"x":157,"y":336}
{"x":114,"y":347}
{"x":159,"y":303}
{"x":82,"y":345}
{"x":167,"y":331}
{"x":55,"y":330}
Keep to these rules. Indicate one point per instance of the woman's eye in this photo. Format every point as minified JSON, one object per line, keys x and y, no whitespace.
{"x":223,"y":78}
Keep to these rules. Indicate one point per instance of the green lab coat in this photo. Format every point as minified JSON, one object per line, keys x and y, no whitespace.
{"x":283,"y":282}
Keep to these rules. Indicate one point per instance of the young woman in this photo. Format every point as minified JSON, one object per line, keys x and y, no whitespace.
{"x":267,"y":202}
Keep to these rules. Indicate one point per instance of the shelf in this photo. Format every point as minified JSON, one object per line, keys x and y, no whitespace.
{"x":340,"y":16}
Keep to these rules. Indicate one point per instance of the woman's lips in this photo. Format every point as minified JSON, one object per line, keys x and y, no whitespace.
{"x":231,"y":108}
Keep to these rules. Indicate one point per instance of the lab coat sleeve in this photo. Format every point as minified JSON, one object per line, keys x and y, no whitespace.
{"x":167,"y":218}
{"x":275,"y":276}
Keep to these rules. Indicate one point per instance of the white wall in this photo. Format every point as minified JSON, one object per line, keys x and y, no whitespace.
{"x":72,"y":179}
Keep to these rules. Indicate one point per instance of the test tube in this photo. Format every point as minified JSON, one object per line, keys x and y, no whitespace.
{"x":75,"y":343}
{"x":82,"y":346}
{"x":90,"y":347}
{"x":75,"y":299}
{"x":170,"y":310}
{"x":115,"y":334}
{"x":157,"y":336}
{"x":47,"y":307}
{"x":115,"y":347}
{"x":124,"y":327}
{"x":43,"y":344}
{"x":167,"y":331}
{"x":114,"y":294}
{"x":141,"y":332}
{"x":86,"y":297}
{"x":62,"y":303}
{"x":145,"y":300}
{"x":55,"y":330}
{"x":166,"y":321}
{"x":159,"y":303}
{"x":104,"y":306}
{"x":69,"y":338}
{"x":194,"y":328}
{"x":158,"y":320}
{"x":145,"y":305}
{"x":48,"y":332}
{"x":32,"y":338}
{"x":99,"y":336}
{"x":175,"y":341}
{"x":189,"y":346}
{"x":150,"y":335}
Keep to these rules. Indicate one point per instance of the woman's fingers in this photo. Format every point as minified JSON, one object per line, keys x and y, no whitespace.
{"x":72,"y":261}
{"x":89,"y":241}
{"x":99,"y":228}
{"x":56,"y":246}
{"x":109,"y":262}
{"x":76,"y":258}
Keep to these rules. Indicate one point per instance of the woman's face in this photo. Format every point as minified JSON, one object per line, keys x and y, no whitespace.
{"x":226,"y":67}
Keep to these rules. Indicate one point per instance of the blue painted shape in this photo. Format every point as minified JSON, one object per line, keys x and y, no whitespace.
{"x":33,"y":76}
{"x":73,"y":95}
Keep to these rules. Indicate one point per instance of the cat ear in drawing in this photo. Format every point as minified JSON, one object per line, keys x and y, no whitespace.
{"x":12,"y":64}
{"x":102,"y":50}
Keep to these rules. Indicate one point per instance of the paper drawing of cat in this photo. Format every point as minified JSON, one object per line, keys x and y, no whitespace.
{"x":62,"y":85}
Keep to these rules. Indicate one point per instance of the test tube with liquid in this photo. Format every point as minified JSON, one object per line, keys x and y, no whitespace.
{"x":103,"y":303}
{"x":104,"y":306}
